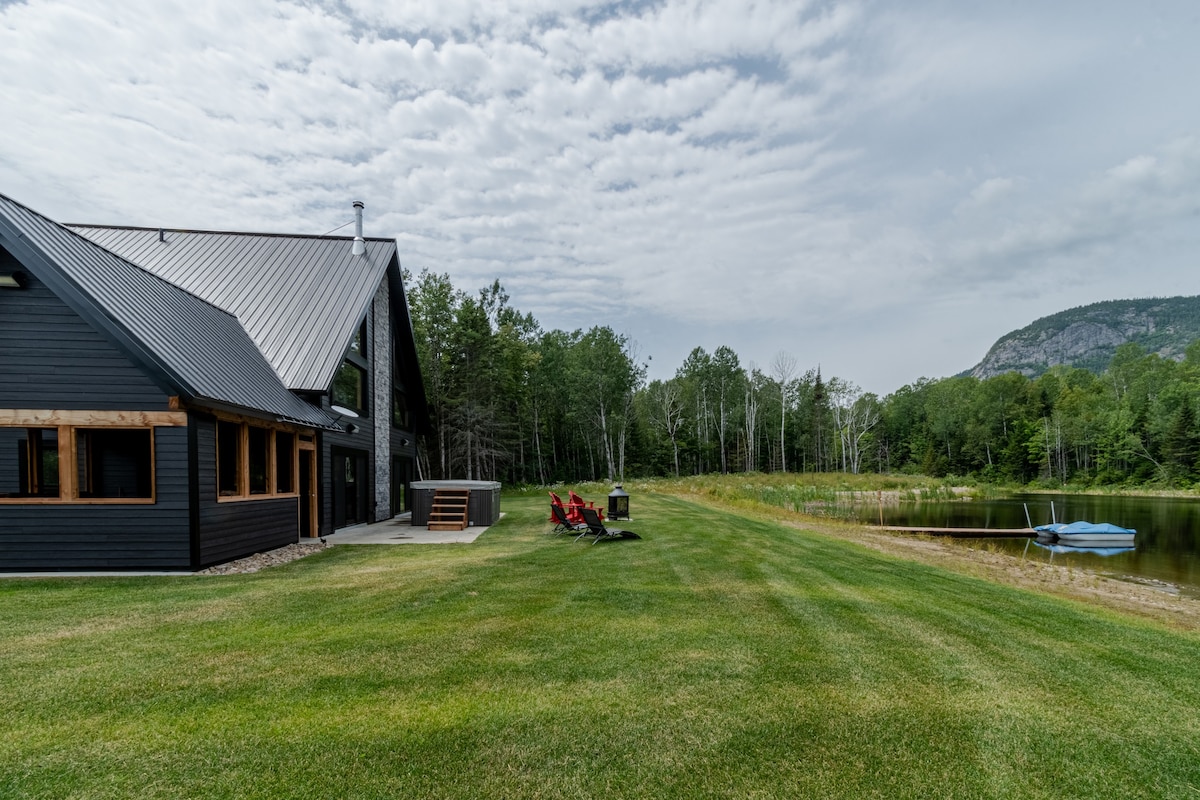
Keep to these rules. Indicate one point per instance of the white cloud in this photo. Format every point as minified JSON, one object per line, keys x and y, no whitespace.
{"x":990,"y":190}
{"x":772,"y":173}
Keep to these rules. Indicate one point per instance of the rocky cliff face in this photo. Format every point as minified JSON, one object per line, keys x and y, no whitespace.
{"x":1087,"y":336}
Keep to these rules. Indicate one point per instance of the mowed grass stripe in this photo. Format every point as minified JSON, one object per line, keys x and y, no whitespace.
{"x":720,"y":656}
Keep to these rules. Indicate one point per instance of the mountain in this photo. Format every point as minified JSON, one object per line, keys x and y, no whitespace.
{"x":1087,"y":336}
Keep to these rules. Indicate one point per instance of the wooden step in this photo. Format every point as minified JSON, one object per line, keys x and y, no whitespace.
{"x":449,"y":510}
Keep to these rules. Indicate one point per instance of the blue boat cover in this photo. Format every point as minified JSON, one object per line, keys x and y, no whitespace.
{"x":1083,"y":527}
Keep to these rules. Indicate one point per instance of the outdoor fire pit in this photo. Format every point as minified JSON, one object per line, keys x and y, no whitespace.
{"x":618,"y":503}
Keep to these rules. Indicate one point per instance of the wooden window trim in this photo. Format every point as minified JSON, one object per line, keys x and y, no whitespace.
{"x":46,"y":418}
{"x":243,"y":478}
{"x":68,"y":453}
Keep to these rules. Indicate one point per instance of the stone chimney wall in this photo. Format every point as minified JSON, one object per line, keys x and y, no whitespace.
{"x":381,"y":397}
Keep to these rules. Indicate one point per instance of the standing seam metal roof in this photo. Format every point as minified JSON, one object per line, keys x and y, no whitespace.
{"x":301,"y":298}
{"x":202,"y":351}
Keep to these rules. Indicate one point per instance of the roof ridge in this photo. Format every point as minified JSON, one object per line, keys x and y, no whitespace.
{"x":300,"y":297}
{"x":138,"y":267}
{"x":150,"y":229}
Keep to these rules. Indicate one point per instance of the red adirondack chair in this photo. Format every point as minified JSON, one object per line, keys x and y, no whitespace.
{"x":575,"y":505}
{"x":555,"y":500}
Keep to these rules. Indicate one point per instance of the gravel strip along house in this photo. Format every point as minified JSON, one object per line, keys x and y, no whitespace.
{"x":175,"y":399}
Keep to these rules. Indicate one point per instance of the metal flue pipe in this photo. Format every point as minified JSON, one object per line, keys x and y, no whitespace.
{"x":360,"y":244}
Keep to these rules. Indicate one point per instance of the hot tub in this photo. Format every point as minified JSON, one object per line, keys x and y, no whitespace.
{"x":483,"y":507}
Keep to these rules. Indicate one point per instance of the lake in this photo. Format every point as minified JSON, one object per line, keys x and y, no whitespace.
{"x":1166,"y":548}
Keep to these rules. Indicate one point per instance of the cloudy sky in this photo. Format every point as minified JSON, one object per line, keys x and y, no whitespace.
{"x":878,"y":188}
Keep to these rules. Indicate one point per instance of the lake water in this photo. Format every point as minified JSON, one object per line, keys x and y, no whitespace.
{"x":1166,"y":548}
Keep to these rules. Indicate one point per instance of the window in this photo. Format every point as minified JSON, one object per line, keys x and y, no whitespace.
{"x":72,"y":463}
{"x":229,"y":458}
{"x":254,"y":461}
{"x":358,"y":345}
{"x":400,"y":416}
{"x":29,"y":462}
{"x":113,"y":463}
{"x":285,"y":462}
{"x":349,"y":388}
{"x":259,"y":440}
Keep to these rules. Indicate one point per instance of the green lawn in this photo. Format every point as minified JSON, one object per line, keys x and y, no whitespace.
{"x":720,"y":656}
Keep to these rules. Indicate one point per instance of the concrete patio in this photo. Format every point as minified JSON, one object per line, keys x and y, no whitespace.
{"x":400,"y":531}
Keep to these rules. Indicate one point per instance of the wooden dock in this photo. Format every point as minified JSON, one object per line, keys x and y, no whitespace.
{"x":979,"y":533}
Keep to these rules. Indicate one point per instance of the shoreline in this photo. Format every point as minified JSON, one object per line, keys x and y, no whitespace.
{"x":1158,"y":603}
{"x":1152,"y":602}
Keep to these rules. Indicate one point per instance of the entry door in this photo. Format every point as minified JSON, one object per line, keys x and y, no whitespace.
{"x":349,"y":488}
{"x":401,"y":477}
{"x":308,"y":493}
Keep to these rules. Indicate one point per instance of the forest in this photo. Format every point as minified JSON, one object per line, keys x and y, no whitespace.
{"x":512,"y":402}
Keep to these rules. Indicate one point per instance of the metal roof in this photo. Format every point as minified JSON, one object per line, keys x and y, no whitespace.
{"x":198,"y":350}
{"x":301,"y":298}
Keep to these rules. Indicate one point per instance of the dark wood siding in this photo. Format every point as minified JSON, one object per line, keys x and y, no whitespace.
{"x":87,"y":536}
{"x":361,"y":441}
{"x":51,"y":358}
{"x":235,"y":529}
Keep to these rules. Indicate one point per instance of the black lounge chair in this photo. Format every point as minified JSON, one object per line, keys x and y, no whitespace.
{"x":595,"y":527}
{"x":562,"y":524}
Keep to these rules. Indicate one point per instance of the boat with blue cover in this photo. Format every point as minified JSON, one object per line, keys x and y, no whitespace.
{"x":1101,"y":533}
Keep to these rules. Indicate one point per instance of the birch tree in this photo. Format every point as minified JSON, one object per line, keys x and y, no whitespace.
{"x":727,"y":380}
{"x":695,"y":376}
{"x":605,"y":377}
{"x":783,"y":369}
{"x":666,"y":412}
{"x":854,"y":415}
{"x":750,"y":419}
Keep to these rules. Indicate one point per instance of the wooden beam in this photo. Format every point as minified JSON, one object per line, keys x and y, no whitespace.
{"x":261,"y":423}
{"x":45,"y":418}
{"x":272,"y":467}
{"x":243,"y":478}
{"x":68,"y":469}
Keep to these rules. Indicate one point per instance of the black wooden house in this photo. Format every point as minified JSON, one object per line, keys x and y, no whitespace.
{"x":173,"y":399}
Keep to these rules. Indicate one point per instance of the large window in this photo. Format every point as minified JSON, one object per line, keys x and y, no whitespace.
{"x":254,"y":461}
{"x":76,"y":463}
{"x":114,"y":463}
{"x":349,"y":388}
{"x":400,"y":416}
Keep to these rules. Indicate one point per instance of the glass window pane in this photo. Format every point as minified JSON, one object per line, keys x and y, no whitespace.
{"x":358,"y":344}
{"x":229,"y":458}
{"x":285,"y":462}
{"x":114,"y":463}
{"x":13,"y":457}
{"x":29,"y":462}
{"x":348,"y":387}
{"x":400,"y":416}
{"x":260,"y":458}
